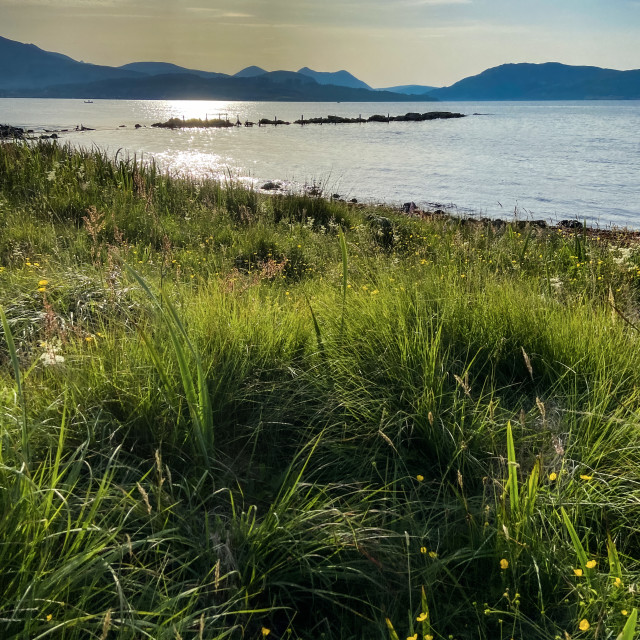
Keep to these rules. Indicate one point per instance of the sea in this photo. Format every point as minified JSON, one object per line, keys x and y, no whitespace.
{"x":529,"y":160}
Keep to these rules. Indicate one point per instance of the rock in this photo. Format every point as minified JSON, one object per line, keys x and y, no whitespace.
{"x":7,"y":131}
{"x":539,"y":223}
{"x":570,"y":224}
{"x":354,"y":201}
{"x":409,"y":207}
{"x":335,"y":196}
{"x":138,"y":126}
{"x":122,"y":126}
{"x":270,"y":186}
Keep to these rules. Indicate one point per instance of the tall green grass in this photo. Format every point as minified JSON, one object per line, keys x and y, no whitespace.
{"x":225,"y":414}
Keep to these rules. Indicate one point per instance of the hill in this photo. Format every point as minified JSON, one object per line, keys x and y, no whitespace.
{"x":25,"y":66}
{"x":337,"y":78}
{"x":163,"y":68}
{"x":548,"y":81}
{"x":272,"y":86}
{"x":409,"y":89}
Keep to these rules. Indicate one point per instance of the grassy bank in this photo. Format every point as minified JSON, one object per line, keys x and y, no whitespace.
{"x":229,"y":415}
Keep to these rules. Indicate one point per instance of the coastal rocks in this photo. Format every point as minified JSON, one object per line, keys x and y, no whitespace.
{"x":275,"y":122}
{"x":181,"y":123}
{"x":409,"y":207}
{"x":570,"y":224}
{"x":7,"y":132}
{"x":271,"y":186}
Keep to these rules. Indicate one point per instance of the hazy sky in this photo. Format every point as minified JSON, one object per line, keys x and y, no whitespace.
{"x":383,"y":42}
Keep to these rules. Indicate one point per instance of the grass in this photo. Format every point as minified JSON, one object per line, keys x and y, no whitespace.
{"x":229,"y":415}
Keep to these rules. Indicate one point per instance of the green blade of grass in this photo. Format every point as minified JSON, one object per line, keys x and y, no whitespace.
{"x":629,"y":630}
{"x":13,"y":355}
{"x":577,"y":545}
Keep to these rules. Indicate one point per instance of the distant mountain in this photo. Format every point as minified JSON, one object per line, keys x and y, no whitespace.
{"x":336,"y":78}
{"x":250,"y":72}
{"x":160,"y":68}
{"x":548,"y":81}
{"x":275,"y":86}
{"x":409,"y":89}
{"x":28,"y":71}
{"x":25,"y":66}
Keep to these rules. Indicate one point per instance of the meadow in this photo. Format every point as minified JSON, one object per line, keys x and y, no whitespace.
{"x":225,"y":414}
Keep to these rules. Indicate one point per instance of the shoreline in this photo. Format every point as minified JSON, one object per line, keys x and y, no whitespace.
{"x":609,"y":232}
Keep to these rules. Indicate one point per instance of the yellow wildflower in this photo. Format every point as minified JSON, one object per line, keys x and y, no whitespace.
{"x":591,"y":564}
{"x":624,"y":612}
{"x":433,"y":554}
{"x":419,"y":478}
{"x":553,"y":476}
{"x":617,"y":582}
{"x":265,"y":631}
{"x":585,"y":477}
{"x":584,"y":625}
{"x":43,"y":283}
{"x":42,"y":289}
{"x":504,"y":564}
{"x":578,"y":572}
{"x":422,"y":617}
{"x":49,"y":616}
{"x":423,"y":550}
{"x":413,"y":637}
{"x":428,"y":637}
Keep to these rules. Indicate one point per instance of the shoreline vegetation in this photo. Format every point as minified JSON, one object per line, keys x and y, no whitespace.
{"x":233,"y":414}
{"x":181,"y":123}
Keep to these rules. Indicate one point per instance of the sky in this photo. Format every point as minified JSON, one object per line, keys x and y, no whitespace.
{"x":383,"y":42}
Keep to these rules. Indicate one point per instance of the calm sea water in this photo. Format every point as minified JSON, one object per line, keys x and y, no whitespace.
{"x":548,"y":160}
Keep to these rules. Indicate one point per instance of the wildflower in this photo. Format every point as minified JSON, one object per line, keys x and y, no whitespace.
{"x":375,"y":292}
{"x":423,"y":550}
{"x":591,"y":564}
{"x":49,"y":616}
{"x":413,"y":637}
{"x":578,"y":572}
{"x":265,"y":631}
{"x":617,"y":582}
{"x":584,"y":625}
{"x":624,"y":612}
{"x":43,"y":283}
{"x":422,"y":617}
{"x":419,"y":478}
{"x":553,"y":476}
{"x":433,"y":554}
{"x":50,"y":359}
{"x":428,"y":637}
{"x":42,"y":289}
{"x":504,"y":564}
{"x":585,"y":477}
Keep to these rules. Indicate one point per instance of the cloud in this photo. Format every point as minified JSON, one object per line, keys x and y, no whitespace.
{"x":61,"y":4}
{"x":217,"y":13}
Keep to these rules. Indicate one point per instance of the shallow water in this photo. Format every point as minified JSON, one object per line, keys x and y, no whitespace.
{"x":549,"y":160}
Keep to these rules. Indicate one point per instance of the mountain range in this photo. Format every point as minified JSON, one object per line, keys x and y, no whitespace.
{"x":28,"y":71}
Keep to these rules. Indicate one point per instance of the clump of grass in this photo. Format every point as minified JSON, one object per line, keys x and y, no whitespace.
{"x":226,"y":413}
